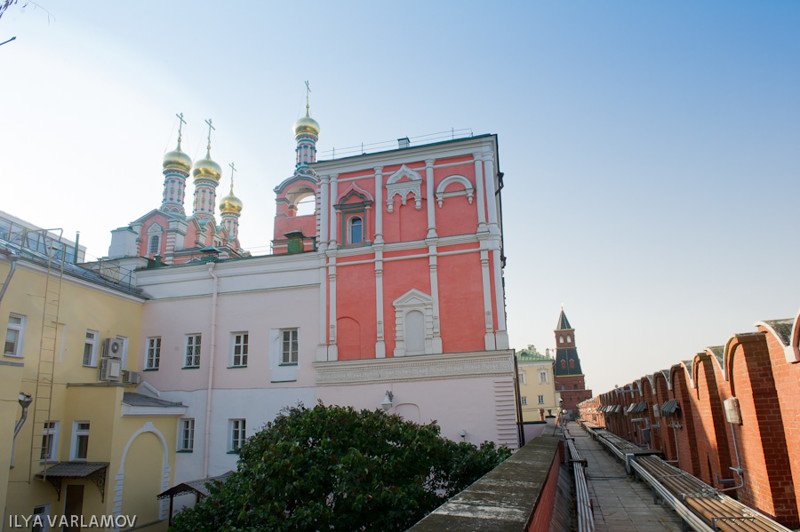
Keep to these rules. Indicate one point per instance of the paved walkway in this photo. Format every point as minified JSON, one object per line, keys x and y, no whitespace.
{"x":620,"y":504}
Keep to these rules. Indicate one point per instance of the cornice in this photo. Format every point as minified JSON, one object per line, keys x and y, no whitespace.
{"x":415,"y":368}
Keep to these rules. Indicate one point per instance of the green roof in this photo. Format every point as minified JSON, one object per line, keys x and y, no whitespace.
{"x":525,"y":355}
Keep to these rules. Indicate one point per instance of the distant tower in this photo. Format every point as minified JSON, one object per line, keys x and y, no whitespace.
{"x":177,"y":166}
{"x":569,"y":378}
{"x":206,"y":178}
{"x":231,"y":209}
{"x":306,"y":133}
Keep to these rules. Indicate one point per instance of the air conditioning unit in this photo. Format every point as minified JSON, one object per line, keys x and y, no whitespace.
{"x":131,"y":377}
{"x":112,"y":348}
{"x":110,"y":369}
{"x":732,"y":412}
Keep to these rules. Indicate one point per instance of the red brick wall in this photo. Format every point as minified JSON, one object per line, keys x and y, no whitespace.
{"x":787,"y":386}
{"x":712,"y":441}
{"x":761,"y":438}
{"x":687,"y":447}
{"x":544,"y":508}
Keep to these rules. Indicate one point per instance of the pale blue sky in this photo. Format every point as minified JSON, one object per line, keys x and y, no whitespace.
{"x":651,"y":150}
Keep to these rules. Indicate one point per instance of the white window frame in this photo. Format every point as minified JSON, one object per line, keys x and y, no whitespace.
{"x":90,"y":343}
{"x":239,"y":347}
{"x":50,"y":432}
{"x":19,"y":328}
{"x":186,"y":435}
{"x":287,"y":335}
{"x":540,"y":399}
{"x":152,"y":358}
{"x":281,"y":372}
{"x":415,"y":300}
{"x":543,"y":377}
{"x":350,"y":221}
{"x":523,"y":400}
{"x":44,"y":513}
{"x":194,"y":342}
{"x":521,"y":377}
{"x":77,"y":433}
{"x":238,"y":434}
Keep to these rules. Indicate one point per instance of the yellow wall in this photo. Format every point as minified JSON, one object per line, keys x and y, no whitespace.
{"x":531,"y":388}
{"x":77,"y":396}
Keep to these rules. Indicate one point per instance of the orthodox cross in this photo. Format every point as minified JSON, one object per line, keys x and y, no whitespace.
{"x":308,"y":90}
{"x":233,"y":170}
{"x":210,"y":127}
{"x":181,"y":121}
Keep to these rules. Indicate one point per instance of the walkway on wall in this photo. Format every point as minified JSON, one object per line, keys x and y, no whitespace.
{"x":620,"y":503}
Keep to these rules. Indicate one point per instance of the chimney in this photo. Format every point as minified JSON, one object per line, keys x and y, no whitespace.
{"x":403,"y":143}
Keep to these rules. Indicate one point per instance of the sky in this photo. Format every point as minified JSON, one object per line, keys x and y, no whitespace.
{"x":651,"y":150}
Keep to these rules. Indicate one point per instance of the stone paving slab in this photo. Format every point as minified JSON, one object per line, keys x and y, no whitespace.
{"x":620,"y":504}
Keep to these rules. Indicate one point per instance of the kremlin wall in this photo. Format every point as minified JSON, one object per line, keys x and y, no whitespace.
{"x":730,"y":416}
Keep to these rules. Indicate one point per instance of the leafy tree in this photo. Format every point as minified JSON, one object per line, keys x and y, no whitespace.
{"x":334,"y":468}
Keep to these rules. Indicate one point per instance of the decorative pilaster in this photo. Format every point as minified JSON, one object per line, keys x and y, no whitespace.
{"x":333,"y":351}
{"x":429,"y":198}
{"x":331,"y":201}
{"x":378,"y":205}
{"x":380,"y":344}
{"x":487,"y":301}
{"x":480,"y":186}
{"x":491,"y":198}
{"x":433,"y":270}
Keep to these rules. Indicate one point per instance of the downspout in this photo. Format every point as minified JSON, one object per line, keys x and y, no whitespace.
{"x":25,"y":401}
{"x":675,"y":427}
{"x":207,"y":424}
{"x":7,"y":282}
{"x":738,"y":469}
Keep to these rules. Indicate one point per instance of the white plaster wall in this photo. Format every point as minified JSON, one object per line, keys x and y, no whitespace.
{"x":457,"y":404}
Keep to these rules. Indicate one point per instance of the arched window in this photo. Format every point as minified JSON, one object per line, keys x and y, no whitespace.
{"x":356,"y":230}
{"x":564,"y":364}
{"x":569,"y":338}
{"x":560,"y":339}
{"x":154,"y":246}
{"x":572,"y":364}
{"x":415,"y":332}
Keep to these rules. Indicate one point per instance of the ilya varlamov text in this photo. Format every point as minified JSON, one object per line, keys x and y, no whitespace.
{"x":83,"y":521}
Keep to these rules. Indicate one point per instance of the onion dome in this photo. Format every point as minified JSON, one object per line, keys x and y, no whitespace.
{"x":230,"y":204}
{"x":306,"y":125}
{"x":177,"y":159}
{"x":207,"y":168}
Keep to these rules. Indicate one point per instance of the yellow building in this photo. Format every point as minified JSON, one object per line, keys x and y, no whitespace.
{"x":91,"y":443}
{"x":538,"y":396}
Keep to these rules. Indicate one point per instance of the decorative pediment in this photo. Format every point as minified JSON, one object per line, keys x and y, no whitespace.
{"x":403,"y":182}
{"x":465,"y":188}
{"x":355,"y":197}
{"x":154,"y":229}
{"x":413,"y":298}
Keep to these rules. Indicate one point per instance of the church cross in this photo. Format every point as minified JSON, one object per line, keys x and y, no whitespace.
{"x":210,"y":127}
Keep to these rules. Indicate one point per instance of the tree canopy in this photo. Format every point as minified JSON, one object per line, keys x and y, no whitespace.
{"x":335,"y":468}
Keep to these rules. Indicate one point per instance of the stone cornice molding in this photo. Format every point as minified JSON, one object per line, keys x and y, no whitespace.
{"x":415,"y":368}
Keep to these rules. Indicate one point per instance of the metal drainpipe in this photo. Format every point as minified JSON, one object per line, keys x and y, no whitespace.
{"x":25,"y":401}
{"x":13,"y":259}
{"x":207,"y":426}
{"x":738,"y":469}
{"x":677,"y":453}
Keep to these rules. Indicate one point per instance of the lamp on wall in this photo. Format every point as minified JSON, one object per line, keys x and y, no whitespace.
{"x":386,"y":404}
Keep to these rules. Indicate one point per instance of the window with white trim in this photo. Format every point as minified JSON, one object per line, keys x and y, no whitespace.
{"x":39,"y":521}
{"x":521,"y":377}
{"x":153,"y":357}
{"x":191,"y":357}
{"x":356,"y":232}
{"x":238,"y":429}
{"x":80,"y":440}
{"x":523,"y":400}
{"x":289,"y":347}
{"x":153,"y":248}
{"x":49,"y":450}
{"x":90,"y":348}
{"x":239,"y":341}
{"x":186,"y":439}
{"x":14,"y":335}
{"x":543,"y":376}
{"x":540,"y":399}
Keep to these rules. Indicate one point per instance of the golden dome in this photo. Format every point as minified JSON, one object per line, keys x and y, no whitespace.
{"x":207,"y":168}
{"x":306,"y":125}
{"x":230,"y":204}
{"x":177,"y":159}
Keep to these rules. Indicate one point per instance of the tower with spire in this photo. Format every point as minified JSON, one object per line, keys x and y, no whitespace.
{"x":569,"y":378}
{"x":230,"y":209}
